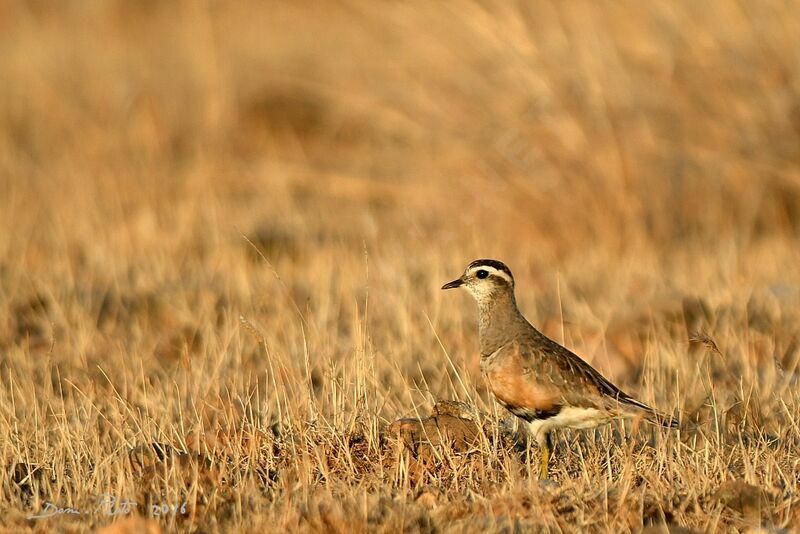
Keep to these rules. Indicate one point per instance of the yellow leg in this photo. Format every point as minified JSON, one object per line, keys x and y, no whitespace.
{"x":545,"y":445}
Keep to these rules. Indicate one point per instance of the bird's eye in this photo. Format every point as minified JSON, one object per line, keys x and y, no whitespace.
{"x":482,"y":274}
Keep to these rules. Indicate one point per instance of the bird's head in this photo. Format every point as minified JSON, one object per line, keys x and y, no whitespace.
{"x":484,"y":279}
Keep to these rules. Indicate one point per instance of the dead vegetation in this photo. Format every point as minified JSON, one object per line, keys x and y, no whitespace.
{"x":223,"y":227}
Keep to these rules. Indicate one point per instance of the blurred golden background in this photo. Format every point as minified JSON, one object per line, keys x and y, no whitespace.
{"x":584,"y":122}
{"x":319,"y":169}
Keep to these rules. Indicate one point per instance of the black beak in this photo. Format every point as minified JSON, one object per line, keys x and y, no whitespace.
{"x":455,"y":283}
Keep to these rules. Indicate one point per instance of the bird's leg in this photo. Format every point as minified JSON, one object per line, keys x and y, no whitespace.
{"x":545,"y":445}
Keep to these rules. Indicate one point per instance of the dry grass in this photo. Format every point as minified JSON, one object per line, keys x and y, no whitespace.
{"x":224,"y":226}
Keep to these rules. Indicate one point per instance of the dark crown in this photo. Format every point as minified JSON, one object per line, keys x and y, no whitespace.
{"x":499,"y":265}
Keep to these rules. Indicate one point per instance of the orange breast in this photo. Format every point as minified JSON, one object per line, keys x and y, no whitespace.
{"x":515,"y":389}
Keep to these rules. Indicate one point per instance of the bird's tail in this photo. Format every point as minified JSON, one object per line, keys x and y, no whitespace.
{"x":653,"y":415}
{"x":663,"y":419}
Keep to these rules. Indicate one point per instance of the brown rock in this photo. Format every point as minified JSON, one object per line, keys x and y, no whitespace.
{"x":462,"y":410}
{"x":437,"y":430}
{"x":452,"y":425}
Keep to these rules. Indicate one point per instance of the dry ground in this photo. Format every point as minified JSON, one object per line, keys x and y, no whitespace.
{"x":224,"y":226}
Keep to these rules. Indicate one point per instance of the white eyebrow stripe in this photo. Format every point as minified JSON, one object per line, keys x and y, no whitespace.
{"x":491,"y":270}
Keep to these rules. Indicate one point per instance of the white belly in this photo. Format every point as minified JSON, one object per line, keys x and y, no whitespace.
{"x":570,"y":417}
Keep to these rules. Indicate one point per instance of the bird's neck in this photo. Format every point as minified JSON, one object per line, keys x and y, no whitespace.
{"x":499,"y":322}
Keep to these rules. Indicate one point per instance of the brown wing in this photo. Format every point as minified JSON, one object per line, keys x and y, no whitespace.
{"x":518,"y":386}
{"x":540,"y":376}
{"x":574,"y":372}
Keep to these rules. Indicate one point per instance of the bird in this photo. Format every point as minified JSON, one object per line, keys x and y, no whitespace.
{"x":533,"y":377}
